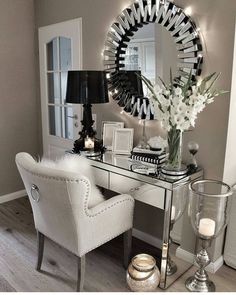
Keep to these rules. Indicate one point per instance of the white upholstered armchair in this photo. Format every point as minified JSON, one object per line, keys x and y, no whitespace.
{"x":60,"y":203}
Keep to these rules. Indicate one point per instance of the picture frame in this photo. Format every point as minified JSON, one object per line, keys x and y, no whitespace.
{"x":108,"y":128}
{"x":123,"y":141}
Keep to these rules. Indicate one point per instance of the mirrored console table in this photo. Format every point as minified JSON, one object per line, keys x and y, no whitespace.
{"x":119,"y":174}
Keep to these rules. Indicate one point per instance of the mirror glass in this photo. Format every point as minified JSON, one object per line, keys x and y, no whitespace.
{"x":152,"y":50}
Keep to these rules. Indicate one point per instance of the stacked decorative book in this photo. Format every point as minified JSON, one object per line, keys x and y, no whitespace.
{"x":145,"y":156}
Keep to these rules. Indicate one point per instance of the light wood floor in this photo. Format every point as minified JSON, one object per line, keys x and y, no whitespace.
{"x":104,"y":270}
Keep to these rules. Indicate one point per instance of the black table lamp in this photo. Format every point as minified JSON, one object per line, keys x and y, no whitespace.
{"x":87,"y":88}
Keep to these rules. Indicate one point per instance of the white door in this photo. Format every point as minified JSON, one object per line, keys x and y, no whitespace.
{"x":60,"y":50}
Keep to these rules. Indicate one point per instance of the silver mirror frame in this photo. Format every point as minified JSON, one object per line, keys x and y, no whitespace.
{"x":173,"y":18}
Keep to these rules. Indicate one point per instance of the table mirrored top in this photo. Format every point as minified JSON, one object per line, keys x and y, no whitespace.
{"x":139,"y":169}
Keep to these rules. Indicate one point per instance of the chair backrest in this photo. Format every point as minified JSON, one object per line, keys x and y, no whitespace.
{"x":58,"y":199}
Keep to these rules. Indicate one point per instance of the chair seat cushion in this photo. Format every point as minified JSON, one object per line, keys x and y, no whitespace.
{"x":79,"y":165}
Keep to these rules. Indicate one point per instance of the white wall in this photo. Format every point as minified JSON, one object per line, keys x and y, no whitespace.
{"x":230,"y":154}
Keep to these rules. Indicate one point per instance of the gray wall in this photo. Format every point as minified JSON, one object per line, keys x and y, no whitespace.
{"x":18,"y":101}
{"x":215,"y":18}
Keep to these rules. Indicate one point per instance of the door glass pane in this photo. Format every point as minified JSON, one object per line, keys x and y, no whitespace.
{"x":63,"y":86}
{"x":132,"y":58}
{"x":65,"y":54}
{"x":69,"y":123}
{"x":52,"y":55}
{"x":55,"y":121}
{"x":61,"y":121}
{"x":54,"y":94}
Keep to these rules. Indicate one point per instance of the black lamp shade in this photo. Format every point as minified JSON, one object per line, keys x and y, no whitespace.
{"x":136,"y":82}
{"x":87,"y":87}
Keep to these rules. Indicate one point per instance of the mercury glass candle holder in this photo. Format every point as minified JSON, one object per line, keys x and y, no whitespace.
{"x":143,"y":274}
{"x":209,"y":207}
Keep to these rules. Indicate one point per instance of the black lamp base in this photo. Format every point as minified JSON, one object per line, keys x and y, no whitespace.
{"x":87,"y":132}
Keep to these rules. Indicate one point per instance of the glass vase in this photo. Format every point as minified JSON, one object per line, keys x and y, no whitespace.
{"x":174,"y":161}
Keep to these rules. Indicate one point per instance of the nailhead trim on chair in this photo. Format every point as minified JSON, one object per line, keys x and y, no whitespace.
{"x":87,"y":193}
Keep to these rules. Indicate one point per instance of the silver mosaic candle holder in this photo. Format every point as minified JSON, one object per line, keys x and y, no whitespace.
{"x":209,"y":206}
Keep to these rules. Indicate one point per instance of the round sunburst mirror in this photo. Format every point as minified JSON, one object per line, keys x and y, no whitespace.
{"x":149,"y":37}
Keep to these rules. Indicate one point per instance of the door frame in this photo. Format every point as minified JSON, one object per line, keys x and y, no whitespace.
{"x":45,"y":32}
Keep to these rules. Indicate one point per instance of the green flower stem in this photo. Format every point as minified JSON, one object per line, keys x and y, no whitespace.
{"x":175,"y":145}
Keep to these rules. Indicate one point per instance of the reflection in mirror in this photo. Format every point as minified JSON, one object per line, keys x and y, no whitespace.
{"x":152,"y":51}
{"x":65,"y":53}
{"x":52,"y":55}
{"x":180,"y":231}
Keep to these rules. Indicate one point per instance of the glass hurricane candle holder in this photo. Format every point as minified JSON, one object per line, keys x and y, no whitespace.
{"x":177,"y":210}
{"x":209,"y":206}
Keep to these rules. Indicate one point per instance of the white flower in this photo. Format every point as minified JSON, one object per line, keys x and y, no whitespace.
{"x":199,"y":83}
{"x":210,"y":100}
{"x":178,"y":91}
{"x":182,"y":108}
{"x":158,"y":142}
{"x":164,"y":101}
{"x":177,"y":120}
{"x":157,"y":89}
{"x":175,"y":100}
{"x":177,"y":108}
{"x":185,"y":126}
{"x":166,"y":125}
{"x":192,"y":119}
{"x":188,"y":112}
{"x":199,"y":107}
{"x":194,"y":89}
{"x":167,"y":92}
{"x":192,"y":99}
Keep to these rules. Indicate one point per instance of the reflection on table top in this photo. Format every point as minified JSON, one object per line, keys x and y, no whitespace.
{"x":138,"y":170}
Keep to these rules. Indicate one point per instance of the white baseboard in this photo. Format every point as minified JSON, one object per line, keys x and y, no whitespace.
{"x":185,"y":255}
{"x":151,"y":240}
{"x":213,"y":267}
{"x":12,"y":196}
{"x":230,"y":260}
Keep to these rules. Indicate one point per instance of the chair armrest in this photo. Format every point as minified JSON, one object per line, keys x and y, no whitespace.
{"x":111,"y":204}
{"x":105,"y":221}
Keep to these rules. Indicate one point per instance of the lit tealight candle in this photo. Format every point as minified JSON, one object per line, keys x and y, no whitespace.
{"x":89,"y":143}
{"x":173,"y":213}
{"x":207,"y":227}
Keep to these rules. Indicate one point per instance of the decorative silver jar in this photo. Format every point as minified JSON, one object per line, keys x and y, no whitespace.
{"x":143,"y":274}
{"x":209,"y":212}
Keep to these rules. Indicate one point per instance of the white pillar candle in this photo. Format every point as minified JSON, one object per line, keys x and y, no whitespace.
{"x":207,"y":227}
{"x":173,"y":213}
{"x":89,"y":143}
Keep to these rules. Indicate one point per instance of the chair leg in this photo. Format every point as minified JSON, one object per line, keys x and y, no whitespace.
{"x":40,"y":242}
{"x":127,"y":247}
{"x":81,"y":273}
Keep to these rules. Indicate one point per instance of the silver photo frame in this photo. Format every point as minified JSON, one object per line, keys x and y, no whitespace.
{"x":108,"y":128}
{"x":123,"y":141}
